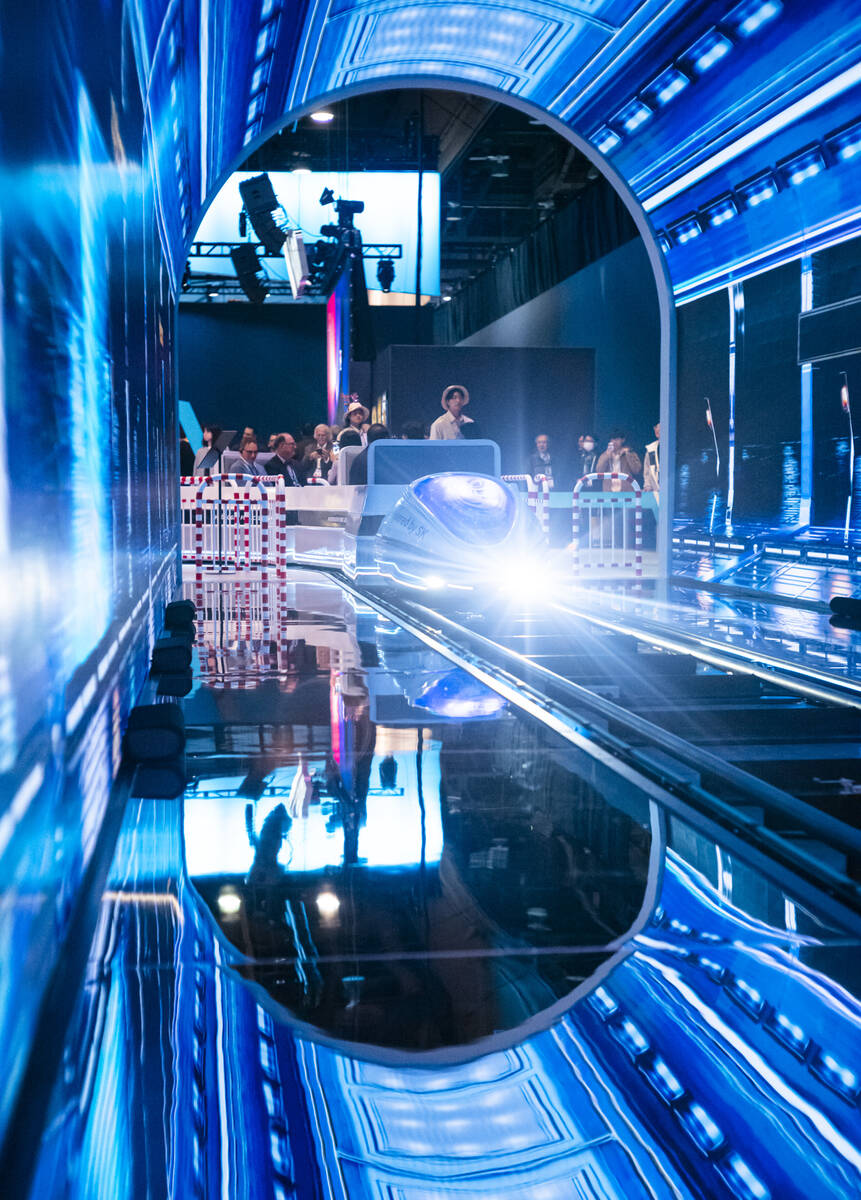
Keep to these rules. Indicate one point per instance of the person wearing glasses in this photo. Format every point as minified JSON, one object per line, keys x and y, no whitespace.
{"x":247,"y":463}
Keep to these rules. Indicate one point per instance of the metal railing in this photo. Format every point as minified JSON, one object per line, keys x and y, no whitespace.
{"x":598,"y":546}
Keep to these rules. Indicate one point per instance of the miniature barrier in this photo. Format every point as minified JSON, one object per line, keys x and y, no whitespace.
{"x":541,"y":507}
{"x":601,"y":503}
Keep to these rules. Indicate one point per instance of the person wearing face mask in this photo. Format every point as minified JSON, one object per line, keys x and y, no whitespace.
{"x":587,"y":456}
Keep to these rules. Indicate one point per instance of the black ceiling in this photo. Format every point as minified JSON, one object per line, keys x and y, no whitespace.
{"x":502,"y":173}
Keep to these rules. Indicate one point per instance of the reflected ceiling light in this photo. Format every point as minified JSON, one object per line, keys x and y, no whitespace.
{"x":802,"y":166}
{"x":632,"y":116}
{"x":748,"y":18}
{"x":301,"y":171}
{"x":686,"y":230}
{"x":723,"y":209}
{"x":668,"y":84}
{"x":847,"y":142}
{"x":322,"y":116}
{"x":605,"y":139}
{"x":229,"y":903}
{"x":759,"y":189}
{"x":327,"y":904}
{"x":707,"y":50}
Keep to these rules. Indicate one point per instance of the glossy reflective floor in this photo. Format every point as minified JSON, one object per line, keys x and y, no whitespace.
{"x":400,"y":940}
{"x":798,"y":630}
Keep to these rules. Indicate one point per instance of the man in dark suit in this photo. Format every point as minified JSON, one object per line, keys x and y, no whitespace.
{"x":284,"y":463}
{"x":540,"y":462}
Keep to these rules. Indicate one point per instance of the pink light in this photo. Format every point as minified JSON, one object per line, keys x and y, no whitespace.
{"x":333,"y":350}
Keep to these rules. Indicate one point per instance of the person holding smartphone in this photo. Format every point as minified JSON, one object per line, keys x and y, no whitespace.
{"x":619,"y":459}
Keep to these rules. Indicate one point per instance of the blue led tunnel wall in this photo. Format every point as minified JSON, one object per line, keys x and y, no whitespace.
{"x":87,"y":468}
{"x":737,"y":127}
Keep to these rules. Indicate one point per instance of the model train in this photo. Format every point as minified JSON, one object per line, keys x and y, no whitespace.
{"x":458,"y":531}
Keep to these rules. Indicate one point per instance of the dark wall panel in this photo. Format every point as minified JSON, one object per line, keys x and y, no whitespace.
{"x":610,"y":306}
{"x":265,"y":366}
{"x":768,"y":399}
{"x":515,"y":394}
{"x":836,"y":277}
{"x":703,"y":371}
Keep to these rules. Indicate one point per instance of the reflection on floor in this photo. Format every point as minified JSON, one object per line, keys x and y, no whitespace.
{"x":400,"y":941}
{"x":798,"y":634}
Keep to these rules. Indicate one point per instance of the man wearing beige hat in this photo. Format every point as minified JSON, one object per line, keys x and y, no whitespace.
{"x":450,"y":425}
{"x":356,"y":417}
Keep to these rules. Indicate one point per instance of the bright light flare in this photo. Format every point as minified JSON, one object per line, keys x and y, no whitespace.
{"x":229,"y":902}
{"x":528,"y":580}
{"x":328,"y":905}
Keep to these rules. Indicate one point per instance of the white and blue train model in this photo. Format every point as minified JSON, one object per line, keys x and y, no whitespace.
{"x":459,"y":531}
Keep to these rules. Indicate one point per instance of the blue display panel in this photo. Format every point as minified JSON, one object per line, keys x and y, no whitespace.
{"x":87,"y":459}
{"x":390,"y":199}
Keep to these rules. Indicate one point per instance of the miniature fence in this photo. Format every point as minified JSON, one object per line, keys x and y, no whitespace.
{"x":229,"y":519}
{"x":600,"y":534}
{"x":541,"y":507}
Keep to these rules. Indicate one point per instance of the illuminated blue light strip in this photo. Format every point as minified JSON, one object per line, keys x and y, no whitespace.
{"x":757,"y":1064}
{"x":707,"y":51}
{"x":772,"y":256}
{"x":806,"y":448}
{"x":204,"y":100}
{"x":802,"y":166}
{"x":736,"y":327}
{"x":748,"y":19}
{"x":801,"y":108}
{"x":668,"y":85}
{"x":605,"y":139}
{"x":847,"y":143}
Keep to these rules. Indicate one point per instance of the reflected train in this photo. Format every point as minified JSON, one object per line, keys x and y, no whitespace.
{"x":460,"y":531}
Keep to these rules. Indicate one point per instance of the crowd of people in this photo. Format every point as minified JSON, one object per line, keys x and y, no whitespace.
{"x":618,"y":459}
{"x":314,"y":455}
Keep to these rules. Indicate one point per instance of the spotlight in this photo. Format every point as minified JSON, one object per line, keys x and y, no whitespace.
{"x":327,"y":905}
{"x":326,"y":196}
{"x":386,"y":274}
{"x":247,"y":267}
{"x":229,"y":902}
{"x":259,"y":201}
{"x":322,"y":116}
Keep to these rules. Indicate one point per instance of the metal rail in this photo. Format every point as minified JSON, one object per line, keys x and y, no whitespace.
{"x":821,"y":686}
{"x":550,"y":698}
{"x":223,"y":249}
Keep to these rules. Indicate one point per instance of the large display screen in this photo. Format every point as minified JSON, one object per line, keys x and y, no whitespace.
{"x":390,"y":217}
{"x":87,"y":475}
